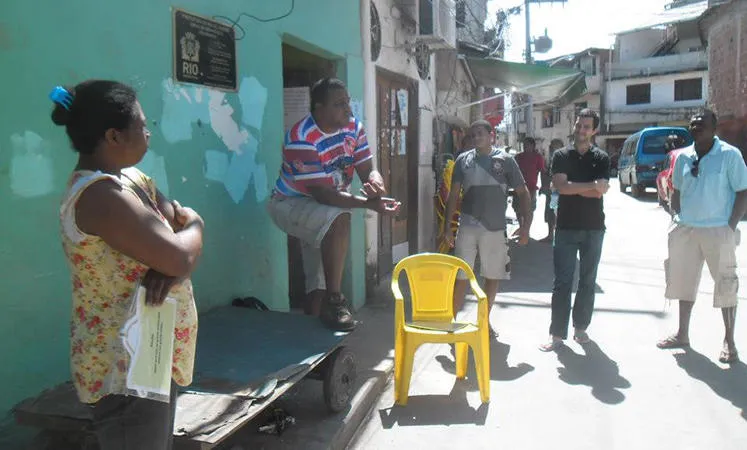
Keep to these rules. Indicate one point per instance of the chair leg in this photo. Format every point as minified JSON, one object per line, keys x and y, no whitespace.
{"x":481,"y":353}
{"x":405,"y":373}
{"x":461,"y":353}
{"x":399,"y":356}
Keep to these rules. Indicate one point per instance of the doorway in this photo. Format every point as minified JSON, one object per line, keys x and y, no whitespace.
{"x":301,"y":69}
{"x":398,"y":118}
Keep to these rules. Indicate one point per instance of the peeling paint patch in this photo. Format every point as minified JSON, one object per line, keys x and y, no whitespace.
{"x":260,"y":183}
{"x":31,"y":171}
{"x":182,"y":107}
{"x":222,"y":123}
{"x":236,"y":166}
{"x":253,"y":98}
{"x":154,"y":166}
{"x":216,"y":165}
{"x":240,"y":171}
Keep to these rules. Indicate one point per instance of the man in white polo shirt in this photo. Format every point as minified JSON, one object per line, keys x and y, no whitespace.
{"x":709,"y":200}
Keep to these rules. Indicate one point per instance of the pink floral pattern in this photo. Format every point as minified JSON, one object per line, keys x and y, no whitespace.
{"x":103,"y":281}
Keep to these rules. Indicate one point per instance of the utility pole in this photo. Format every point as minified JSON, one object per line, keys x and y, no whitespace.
{"x":528,"y":51}
{"x":529,"y":110}
{"x":529,"y":113}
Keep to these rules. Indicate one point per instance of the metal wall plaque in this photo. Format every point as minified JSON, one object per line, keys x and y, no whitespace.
{"x":204,"y":51}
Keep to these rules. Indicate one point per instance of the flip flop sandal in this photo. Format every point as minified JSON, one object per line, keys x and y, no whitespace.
{"x":727,"y":357}
{"x":551,"y":346}
{"x":582,"y":337}
{"x":672,"y":342}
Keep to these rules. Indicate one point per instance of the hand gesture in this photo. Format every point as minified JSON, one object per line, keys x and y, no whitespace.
{"x":373,"y":188}
{"x":384,"y":205}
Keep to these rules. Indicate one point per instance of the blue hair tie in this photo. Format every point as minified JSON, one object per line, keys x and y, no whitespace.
{"x":62,"y":97}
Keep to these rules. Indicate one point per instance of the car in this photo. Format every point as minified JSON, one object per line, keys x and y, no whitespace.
{"x":664,"y":186}
{"x":642,"y":157}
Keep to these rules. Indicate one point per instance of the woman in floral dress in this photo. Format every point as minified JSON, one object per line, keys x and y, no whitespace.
{"x":118,"y":232}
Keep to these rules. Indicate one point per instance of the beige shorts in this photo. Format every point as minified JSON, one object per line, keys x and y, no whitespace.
{"x":309,"y":221}
{"x":689,"y":248}
{"x":492,"y":247}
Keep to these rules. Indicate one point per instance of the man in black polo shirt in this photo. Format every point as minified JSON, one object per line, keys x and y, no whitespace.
{"x":580,"y":174}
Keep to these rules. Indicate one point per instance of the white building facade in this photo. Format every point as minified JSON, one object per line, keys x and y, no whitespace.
{"x":658,"y":76}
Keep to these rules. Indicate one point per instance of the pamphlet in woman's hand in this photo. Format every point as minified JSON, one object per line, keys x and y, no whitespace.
{"x":148,"y":337}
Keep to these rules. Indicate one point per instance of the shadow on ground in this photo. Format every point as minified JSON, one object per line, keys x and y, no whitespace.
{"x":728,"y":383}
{"x":500,"y":370}
{"x":451,"y":409}
{"x":532,"y":269}
{"x":594,"y":369}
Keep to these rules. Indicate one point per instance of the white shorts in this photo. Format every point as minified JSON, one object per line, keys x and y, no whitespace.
{"x":492,"y":247}
{"x":309,"y":221}
{"x":689,"y":248}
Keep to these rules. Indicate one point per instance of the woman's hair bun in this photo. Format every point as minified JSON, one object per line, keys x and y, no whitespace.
{"x":62,"y":97}
{"x":60,"y":115}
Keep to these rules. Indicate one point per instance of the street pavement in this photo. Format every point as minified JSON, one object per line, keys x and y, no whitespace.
{"x":619,"y":392}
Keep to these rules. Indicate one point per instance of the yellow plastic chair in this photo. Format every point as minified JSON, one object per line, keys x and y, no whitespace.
{"x":431,"y":278}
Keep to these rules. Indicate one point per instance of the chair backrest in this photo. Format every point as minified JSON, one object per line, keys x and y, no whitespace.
{"x":431,"y":279}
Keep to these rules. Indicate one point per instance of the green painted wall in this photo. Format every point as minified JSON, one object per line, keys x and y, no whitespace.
{"x":45,"y":43}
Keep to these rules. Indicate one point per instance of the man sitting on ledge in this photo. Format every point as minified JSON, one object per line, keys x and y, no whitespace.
{"x":311,"y":198}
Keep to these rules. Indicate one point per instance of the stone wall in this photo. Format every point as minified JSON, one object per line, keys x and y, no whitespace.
{"x":725,"y":29}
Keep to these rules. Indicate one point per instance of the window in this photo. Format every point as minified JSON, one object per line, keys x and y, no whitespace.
{"x":547,"y":116}
{"x":638,"y":94}
{"x":580,"y":105}
{"x":656,"y":144}
{"x":461,"y":13}
{"x":556,"y":114}
{"x":688,"y":89}
{"x":634,"y":145}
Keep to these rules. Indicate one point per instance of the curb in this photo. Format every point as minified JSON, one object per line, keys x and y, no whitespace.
{"x":361,"y":405}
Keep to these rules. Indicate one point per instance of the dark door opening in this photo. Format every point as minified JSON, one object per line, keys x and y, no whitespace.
{"x":301,"y":70}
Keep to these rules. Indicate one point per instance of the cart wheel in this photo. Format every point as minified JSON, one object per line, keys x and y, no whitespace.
{"x":339,"y":377}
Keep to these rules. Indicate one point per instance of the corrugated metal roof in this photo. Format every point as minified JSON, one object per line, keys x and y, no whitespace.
{"x":669,"y":17}
{"x":572,"y":56}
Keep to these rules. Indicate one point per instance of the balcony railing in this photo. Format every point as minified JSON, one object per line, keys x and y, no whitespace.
{"x":660,"y":65}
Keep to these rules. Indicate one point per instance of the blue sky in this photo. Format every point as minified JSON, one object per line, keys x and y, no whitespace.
{"x":575,"y":25}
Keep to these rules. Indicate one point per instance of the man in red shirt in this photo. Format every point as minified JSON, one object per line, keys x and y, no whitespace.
{"x":531,"y":164}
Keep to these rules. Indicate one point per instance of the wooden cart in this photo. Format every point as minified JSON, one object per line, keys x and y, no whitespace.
{"x":246,"y":359}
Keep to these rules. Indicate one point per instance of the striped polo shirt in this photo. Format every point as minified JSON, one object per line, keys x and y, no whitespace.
{"x":314,"y":158}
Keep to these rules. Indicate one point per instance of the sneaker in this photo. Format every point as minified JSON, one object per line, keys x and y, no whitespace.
{"x":335,"y":313}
